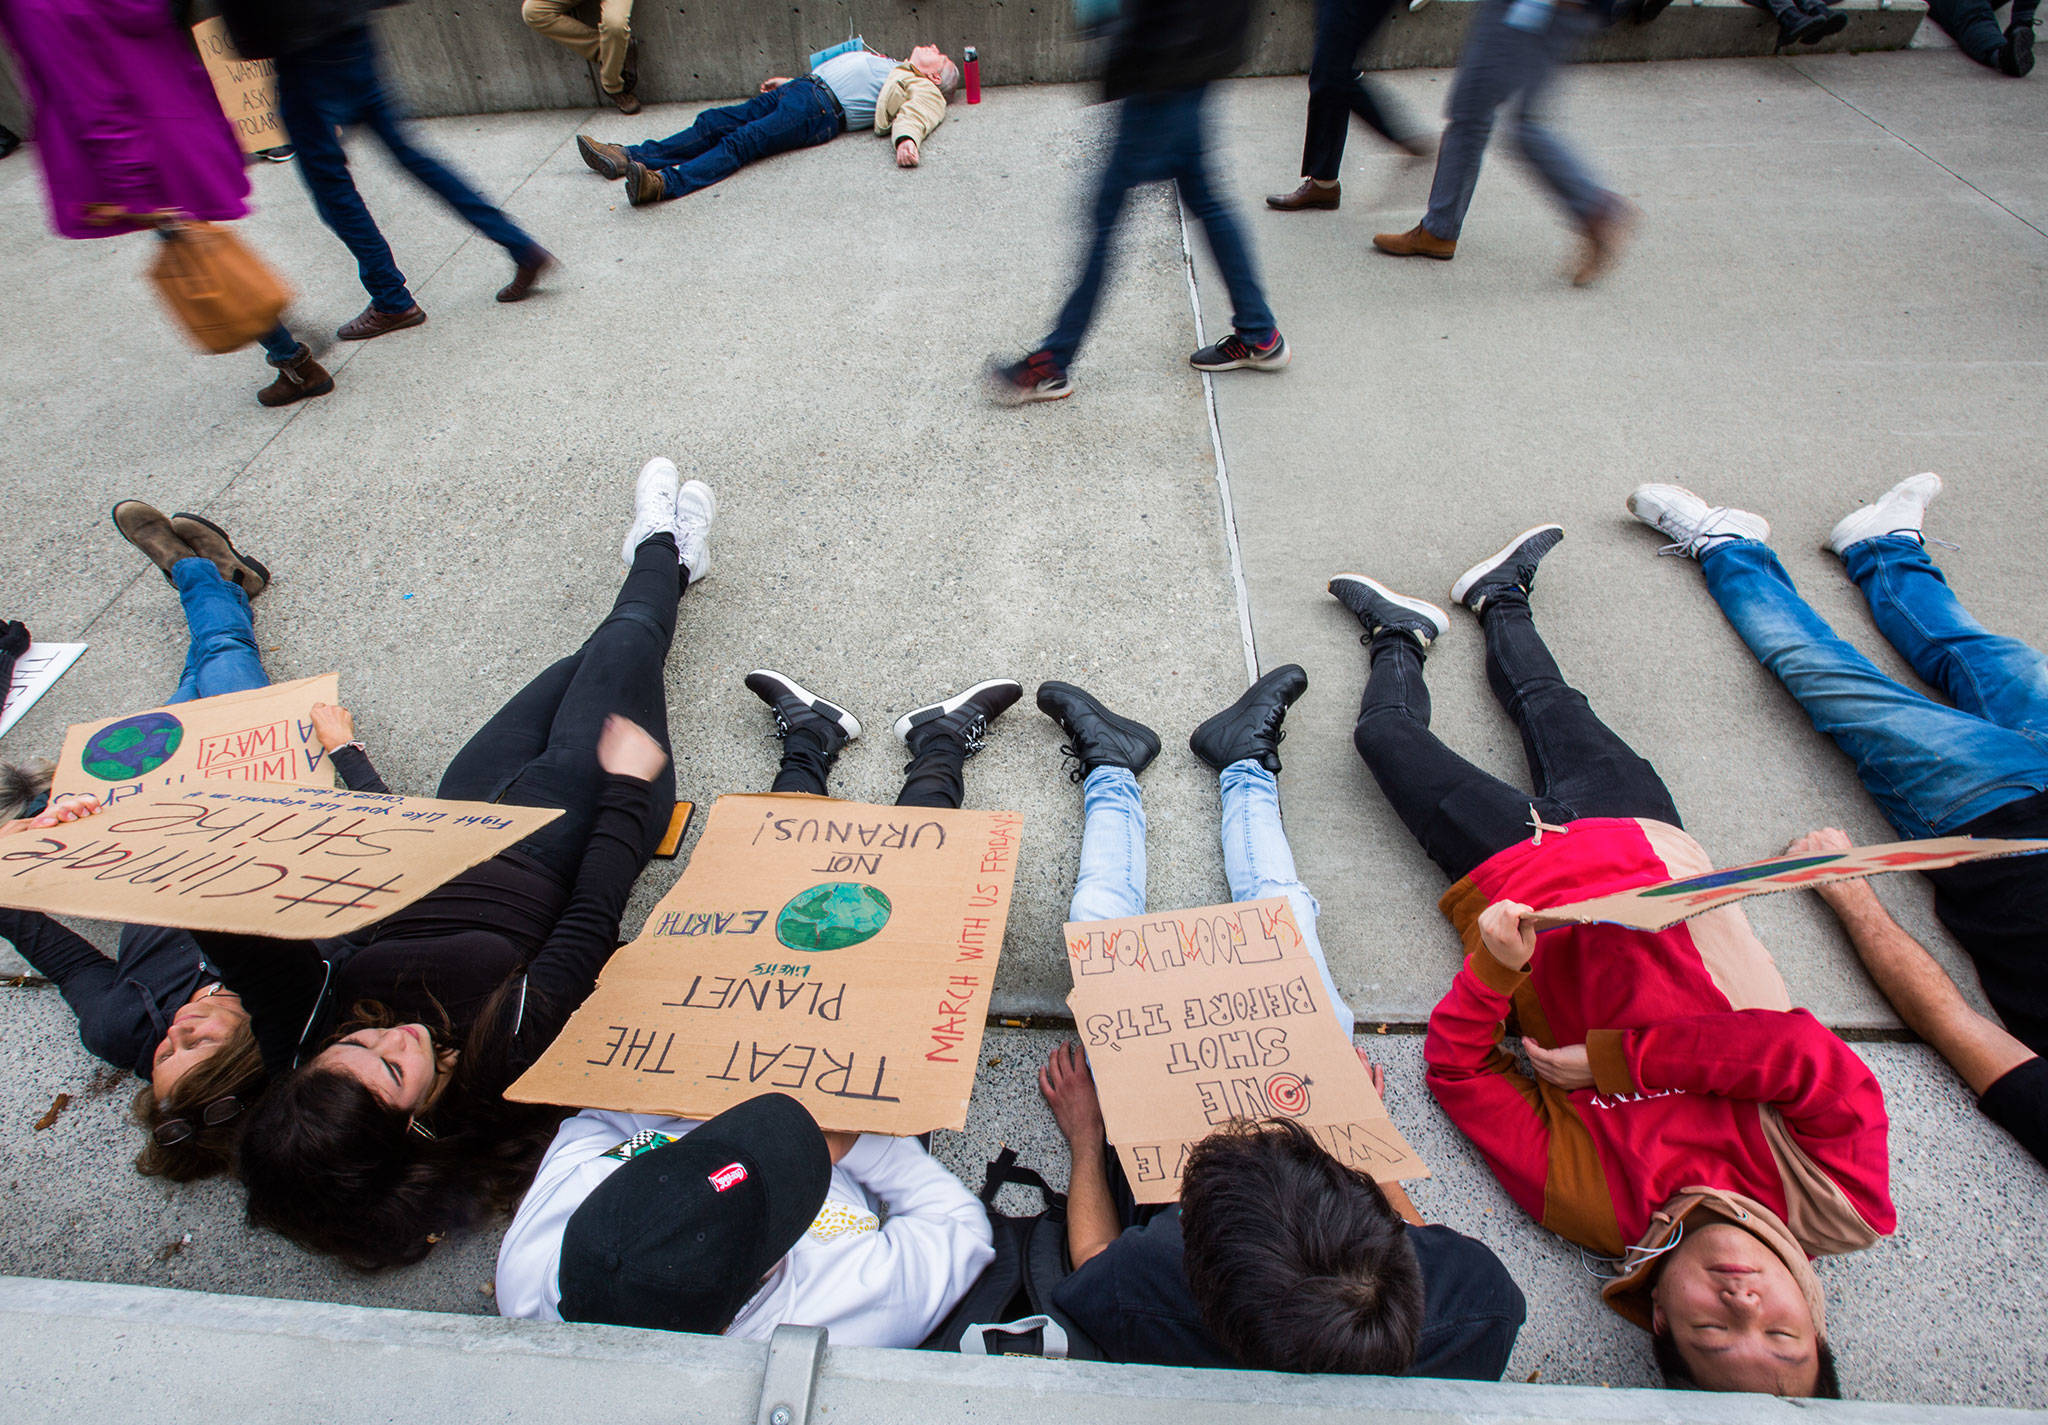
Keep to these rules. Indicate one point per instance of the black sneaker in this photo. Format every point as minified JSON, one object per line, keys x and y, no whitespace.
{"x":1513,"y":567}
{"x":1249,"y":729}
{"x":1382,"y":610}
{"x":1234,"y":351}
{"x":1096,"y":736}
{"x":2016,"y":55}
{"x":1038,"y":377}
{"x":964,"y":715}
{"x":797,"y":707}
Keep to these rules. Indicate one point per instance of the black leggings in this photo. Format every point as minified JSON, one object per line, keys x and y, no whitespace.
{"x":932,"y":778}
{"x":1462,"y":815}
{"x":540,"y":749}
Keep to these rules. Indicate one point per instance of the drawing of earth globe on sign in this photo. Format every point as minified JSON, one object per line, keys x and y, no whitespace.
{"x":832,"y":916}
{"x":132,"y":747}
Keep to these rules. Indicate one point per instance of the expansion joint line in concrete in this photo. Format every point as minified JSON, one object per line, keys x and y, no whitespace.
{"x":1229,"y":508}
{"x":1900,"y":138}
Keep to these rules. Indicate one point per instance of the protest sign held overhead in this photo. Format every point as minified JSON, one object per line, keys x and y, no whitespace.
{"x":837,"y":952}
{"x":255,"y":858}
{"x":1193,"y":1019}
{"x":1663,"y":905}
{"x":262,"y":735}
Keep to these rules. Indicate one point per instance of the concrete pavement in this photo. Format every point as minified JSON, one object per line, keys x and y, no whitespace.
{"x":1838,"y":283}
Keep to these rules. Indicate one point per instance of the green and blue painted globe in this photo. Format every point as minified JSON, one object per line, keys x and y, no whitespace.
{"x":132,"y":747}
{"x":832,"y":916}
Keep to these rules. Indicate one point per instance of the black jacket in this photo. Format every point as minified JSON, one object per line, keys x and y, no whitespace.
{"x":1175,"y":44}
{"x":266,"y":29}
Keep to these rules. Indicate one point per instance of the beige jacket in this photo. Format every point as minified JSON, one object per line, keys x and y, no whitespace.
{"x":909,"y":106}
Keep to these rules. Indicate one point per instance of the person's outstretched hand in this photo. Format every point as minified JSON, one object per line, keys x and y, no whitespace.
{"x":59,"y":811}
{"x":625,"y":750}
{"x":1567,"y":1067}
{"x":773,"y":81}
{"x":1839,"y":895}
{"x":1069,"y":1088}
{"x":334,"y":726}
{"x":1507,"y":933}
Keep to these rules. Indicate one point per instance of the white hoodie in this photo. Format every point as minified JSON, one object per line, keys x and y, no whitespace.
{"x":869,"y":1282}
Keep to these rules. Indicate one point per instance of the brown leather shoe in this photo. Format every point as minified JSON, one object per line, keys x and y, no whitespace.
{"x":525,"y":275}
{"x":1310,"y":194}
{"x":606,"y":160}
{"x":145,"y":527}
{"x":625,"y":101}
{"x":209,"y":541}
{"x":643,"y":185}
{"x":1605,"y":237}
{"x":297,"y":379}
{"x":370,"y":322}
{"x":1418,"y":241}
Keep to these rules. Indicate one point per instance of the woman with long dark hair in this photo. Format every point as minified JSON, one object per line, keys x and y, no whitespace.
{"x":395,"y":1131}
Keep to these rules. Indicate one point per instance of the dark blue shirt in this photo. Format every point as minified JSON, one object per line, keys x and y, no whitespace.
{"x":1133,"y":1300}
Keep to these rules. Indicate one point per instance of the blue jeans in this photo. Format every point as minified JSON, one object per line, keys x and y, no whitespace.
{"x":222,"y":657}
{"x":1160,"y":137}
{"x":337,"y":83}
{"x":723,"y":141}
{"x":1256,"y":859}
{"x":1500,"y":61}
{"x":1931,"y":768}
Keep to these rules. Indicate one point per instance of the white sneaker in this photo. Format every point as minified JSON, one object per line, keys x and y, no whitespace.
{"x":1692,"y":525}
{"x":1899,"y":510}
{"x":654,"y":506}
{"x":696,"y":507}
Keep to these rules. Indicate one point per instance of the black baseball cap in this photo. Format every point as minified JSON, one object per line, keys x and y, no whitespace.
{"x":678,"y":1239}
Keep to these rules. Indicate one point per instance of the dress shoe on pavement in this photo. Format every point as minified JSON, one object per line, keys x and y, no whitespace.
{"x":209,"y":541}
{"x":145,"y":527}
{"x":1310,"y":194}
{"x":1604,"y":238}
{"x":606,"y":160}
{"x":372,"y":323}
{"x":625,"y":101}
{"x":643,"y":185}
{"x":526,"y":275}
{"x":1418,"y":241}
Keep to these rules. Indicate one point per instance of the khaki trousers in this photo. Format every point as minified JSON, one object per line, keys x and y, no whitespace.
{"x":604,"y":46}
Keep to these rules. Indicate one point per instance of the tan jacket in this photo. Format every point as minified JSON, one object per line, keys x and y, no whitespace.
{"x":909,"y":106}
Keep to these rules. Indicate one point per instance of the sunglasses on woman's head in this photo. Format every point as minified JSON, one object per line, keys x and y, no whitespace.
{"x":173,"y":1131}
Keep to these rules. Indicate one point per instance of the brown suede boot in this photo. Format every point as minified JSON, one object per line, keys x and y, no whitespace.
{"x":1605,"y":237}
{"x":145,"y":527}
{"x":209,"y":541}
{"x":606,"y":160}
{"x":1418,"y":241}
{"x":297,"y":379}
{"x":643,"y":185}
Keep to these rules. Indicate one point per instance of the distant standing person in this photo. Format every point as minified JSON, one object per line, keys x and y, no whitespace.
{"x":86,"y":70}
{"x":1161,"y":62}
{"x":1512,"y":52}
{"x":610,"y":46}
{"x":1336,"y":91}
{"x":328,"y":76}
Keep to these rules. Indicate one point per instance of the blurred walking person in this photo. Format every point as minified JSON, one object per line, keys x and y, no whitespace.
{"x":1162,"y":59}
{"x":1336,"y":91}
{"x":126,"y":122}
{"x":329,"y":76}
{"x":1512,"y":53}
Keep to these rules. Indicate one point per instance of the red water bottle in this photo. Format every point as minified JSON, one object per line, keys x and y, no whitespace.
{"x":971,"y":71}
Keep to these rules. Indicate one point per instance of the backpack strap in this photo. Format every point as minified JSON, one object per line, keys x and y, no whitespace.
{"x":1005,"y":1170}
{"x":1052,"y":1337}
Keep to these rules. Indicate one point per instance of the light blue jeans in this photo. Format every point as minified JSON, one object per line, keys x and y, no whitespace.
{"x":1931,"y":768}
{"x":1111,"y":881}
{"x":222,"y":657}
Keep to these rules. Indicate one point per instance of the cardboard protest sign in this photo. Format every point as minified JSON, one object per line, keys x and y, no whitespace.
{"x":1661,"y":906}
{"x":247,"y":88}
{"x":1195,"y":1018}
{"x":262,"y":735}
{"x":839,"y":953}
{"x":260,"y":859}
{"x":33,"y":675}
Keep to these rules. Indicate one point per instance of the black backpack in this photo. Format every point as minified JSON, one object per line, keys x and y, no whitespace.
{"x":1009,"y":1310}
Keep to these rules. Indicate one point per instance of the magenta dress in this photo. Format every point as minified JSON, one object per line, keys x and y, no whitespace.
{"x":123,"y":112}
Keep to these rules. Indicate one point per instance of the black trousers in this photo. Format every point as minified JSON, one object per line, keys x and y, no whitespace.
{"x":1462,"y":815}
{"x":932,"y":778}
{"x":124,"y":1005}
{"x":540,"y":749}
{"x":1336,"y":90}
{"x":1973,"y":25}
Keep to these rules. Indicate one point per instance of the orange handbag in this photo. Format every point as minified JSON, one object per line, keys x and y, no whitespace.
{"x":217,"y":288}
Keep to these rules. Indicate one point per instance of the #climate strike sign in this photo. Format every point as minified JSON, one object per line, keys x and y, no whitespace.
{"x":837,"y":952}
{"x":1194,"y":1019}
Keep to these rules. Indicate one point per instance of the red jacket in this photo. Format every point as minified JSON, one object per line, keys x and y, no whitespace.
{"x":1704,"y":1075}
